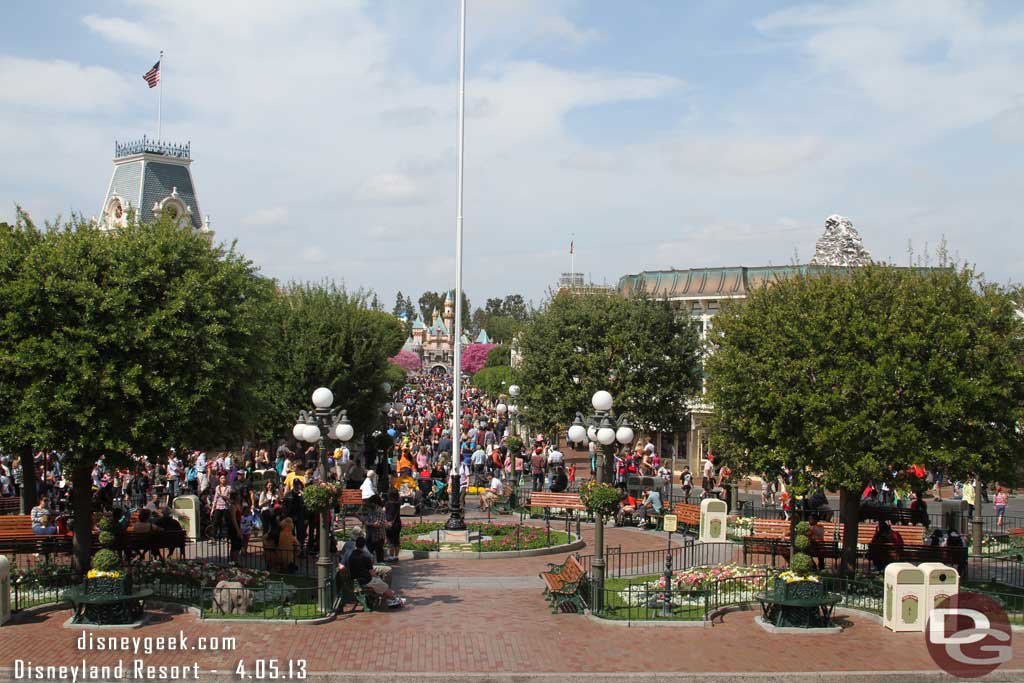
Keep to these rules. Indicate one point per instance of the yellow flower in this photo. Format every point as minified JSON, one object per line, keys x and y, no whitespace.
{"x":97,"y":574}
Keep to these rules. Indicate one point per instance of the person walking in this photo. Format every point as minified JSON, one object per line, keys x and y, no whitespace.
{"x":967,"y":495}
{"x":537,"y":465}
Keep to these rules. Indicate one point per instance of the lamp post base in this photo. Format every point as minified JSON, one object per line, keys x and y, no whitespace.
{"x":455,"y":521}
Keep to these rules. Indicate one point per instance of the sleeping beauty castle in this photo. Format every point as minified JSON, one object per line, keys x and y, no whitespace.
{"x":435,"y":343}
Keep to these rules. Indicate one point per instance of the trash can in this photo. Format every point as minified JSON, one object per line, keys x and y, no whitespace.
{"x":941,"y":580}
{"x":954,"y":516}
{"x":186,"y":510}
{"x":905,"y":598}
{"x":5,"y":590}
{"x":713,"y":520}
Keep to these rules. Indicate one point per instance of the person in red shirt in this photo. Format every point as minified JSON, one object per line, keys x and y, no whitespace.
{"x":627,"y":506}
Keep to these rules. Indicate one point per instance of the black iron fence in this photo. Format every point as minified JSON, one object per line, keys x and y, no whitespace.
{"x":271,"y":597}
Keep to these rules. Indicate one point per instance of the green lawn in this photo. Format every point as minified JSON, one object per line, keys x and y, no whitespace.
{"x":617,"y":603}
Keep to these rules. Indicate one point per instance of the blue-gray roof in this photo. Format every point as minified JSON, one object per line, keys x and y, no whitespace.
{"x":160,"y":180}
{"x":125,"y":184}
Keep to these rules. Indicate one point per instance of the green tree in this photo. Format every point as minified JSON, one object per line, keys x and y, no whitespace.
{"x":499,"y":355}
{"x":328,"y":337}
{"x":16,"y":242}
{"x":850,"y":375}
{"x":637,"y":348}
{"x":429,"y":302}
{"x":514,"y":307}
{"x":494,"y":380}
{"x":137,"y":340}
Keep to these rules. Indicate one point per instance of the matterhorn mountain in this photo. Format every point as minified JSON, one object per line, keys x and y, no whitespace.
{"x":840,"y":245}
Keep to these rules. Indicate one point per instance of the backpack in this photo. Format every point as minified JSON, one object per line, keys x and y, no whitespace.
{"x":191,"y":475}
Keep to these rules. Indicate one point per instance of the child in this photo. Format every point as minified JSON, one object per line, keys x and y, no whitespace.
{"x":686,"y":479}
{"x":1000,"y":503}
{"x":247,"y":524}
{"x":572,"y":474}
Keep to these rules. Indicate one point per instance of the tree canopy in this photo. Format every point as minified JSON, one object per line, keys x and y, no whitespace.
{"x":135,"y":340}
{"x":325,"y":336}
{"x":850,"y":376}
{"x":637,"y":348}
{"x":854,"y":373}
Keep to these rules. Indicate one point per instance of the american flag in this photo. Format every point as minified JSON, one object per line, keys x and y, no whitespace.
{"x":153,"y":75}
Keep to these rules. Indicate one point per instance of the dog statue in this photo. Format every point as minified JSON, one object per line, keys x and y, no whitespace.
{"x":231,"y":597}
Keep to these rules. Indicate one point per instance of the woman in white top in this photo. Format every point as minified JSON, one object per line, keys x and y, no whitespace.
{"x":369,"y":485}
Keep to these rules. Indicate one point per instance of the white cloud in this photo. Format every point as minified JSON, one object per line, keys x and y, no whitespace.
{"x":120,"y":30}
{"x":273,"y":216}
{"x":389,"y":189}
{"x":58,"y":85}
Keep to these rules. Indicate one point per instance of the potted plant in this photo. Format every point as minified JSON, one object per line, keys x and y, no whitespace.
{"x":600,"y":499}
{"x":106,"y":575}
{"x":321,"y":497}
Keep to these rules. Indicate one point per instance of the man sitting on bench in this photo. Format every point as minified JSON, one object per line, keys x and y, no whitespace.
{"x":492,"y":493}
{"x":651,"y":505}
{"x":627,"y":507}
{"x":360,"y":565}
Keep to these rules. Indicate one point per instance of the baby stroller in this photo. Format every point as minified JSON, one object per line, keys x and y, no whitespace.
{"x":436,"y":500}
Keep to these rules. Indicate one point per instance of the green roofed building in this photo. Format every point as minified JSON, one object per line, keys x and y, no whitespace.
{"x":699,"y":292}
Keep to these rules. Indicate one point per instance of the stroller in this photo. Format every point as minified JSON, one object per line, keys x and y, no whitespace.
{"x":436,"y":500}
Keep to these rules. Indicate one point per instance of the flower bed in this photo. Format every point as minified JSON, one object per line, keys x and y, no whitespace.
{"x":503,"y":537}
{"x":197,"y":573}
{"x":43,"y":575}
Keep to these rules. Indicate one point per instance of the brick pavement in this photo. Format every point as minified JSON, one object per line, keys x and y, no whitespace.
{"x":504,"y":627}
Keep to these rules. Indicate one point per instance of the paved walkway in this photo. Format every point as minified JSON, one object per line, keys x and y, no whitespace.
{"x":489,"y":617}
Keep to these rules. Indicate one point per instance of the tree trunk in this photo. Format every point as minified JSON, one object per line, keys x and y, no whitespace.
{"x":81,"y":503}
{"x":28,"y":480}
{"x":849,"y":514}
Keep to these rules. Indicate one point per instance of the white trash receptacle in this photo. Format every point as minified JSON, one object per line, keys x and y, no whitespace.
{"x":5,"y":590}
{"x":905,"y":598}
{"x":942,"y":582}
{"x":713,"y":521}
{"x":186,"y":510}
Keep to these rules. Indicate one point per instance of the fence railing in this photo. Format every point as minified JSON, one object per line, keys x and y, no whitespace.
{"x":652,"y":601}
{"x":278,"y":597}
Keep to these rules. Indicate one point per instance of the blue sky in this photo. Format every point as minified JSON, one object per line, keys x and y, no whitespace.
{"x":660,"y":134}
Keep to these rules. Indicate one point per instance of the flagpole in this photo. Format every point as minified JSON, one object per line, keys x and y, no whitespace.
{"x":572,"y":257}
{"x":160,"y":99}
{"x":456,"y":521}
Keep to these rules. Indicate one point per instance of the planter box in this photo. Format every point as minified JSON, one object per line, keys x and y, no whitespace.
{"x":799,"y":590}
{"x":106,"y":585}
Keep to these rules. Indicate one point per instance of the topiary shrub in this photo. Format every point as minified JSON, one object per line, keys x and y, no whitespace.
{"x":515,"y":445}
{"x":802,"y":529}
{"x":106,"y":524}
{"x":106,"y":538}
{"x":802,"y":543}
{"x":801,"y":564}
{"x":105,"y":561}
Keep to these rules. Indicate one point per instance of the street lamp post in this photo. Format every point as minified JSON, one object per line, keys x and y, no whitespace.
{"x":315,"y":426}
{"x":513,"y":411}
{"x":606,"y":430}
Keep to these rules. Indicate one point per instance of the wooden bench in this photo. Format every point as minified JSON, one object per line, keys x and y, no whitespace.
{"x":772,"y":546}
{"x":688,"y":516}
{"x":17,"y":527}
{"x":564,"y":584}
{"x":351,"y":500}
{"x":912,"y":534}
{"x":894,"y":515}
{"x":562,"y":501}
{"x":10,"y":506}
{"x":771,"y":528}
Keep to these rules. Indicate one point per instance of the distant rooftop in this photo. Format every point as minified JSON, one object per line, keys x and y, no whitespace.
{"x":147,"y":146}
